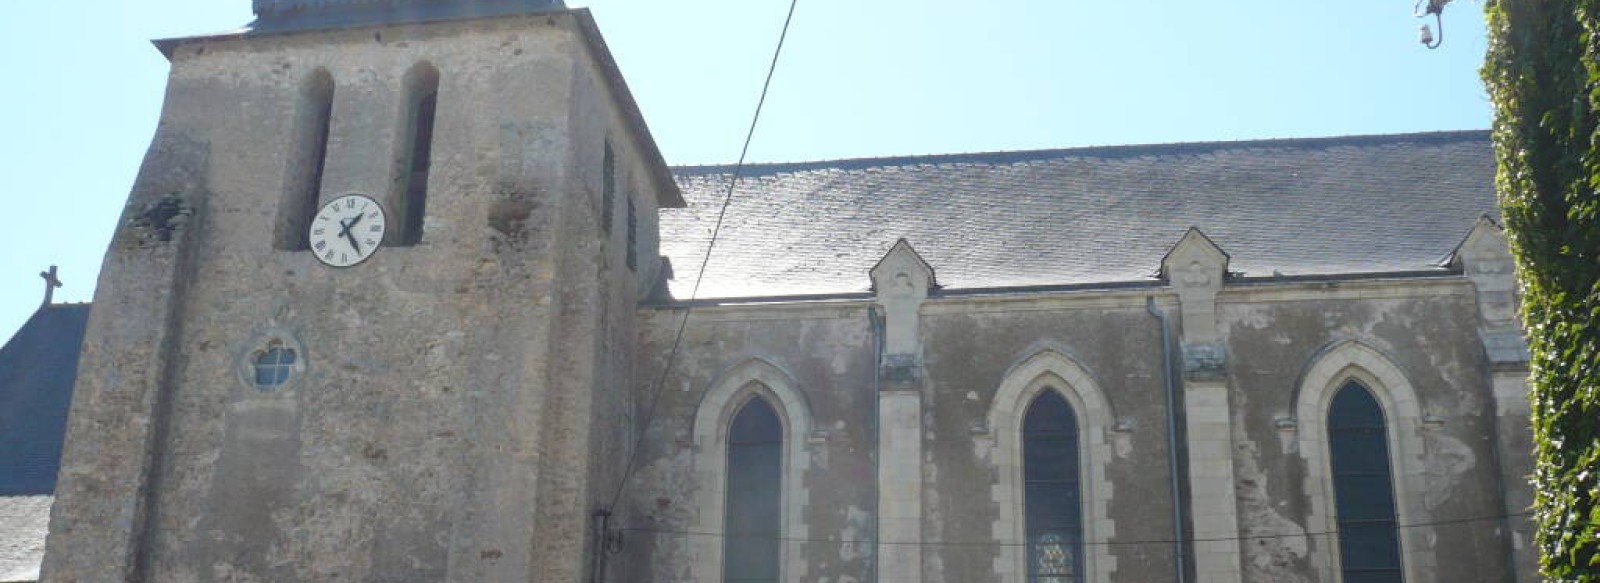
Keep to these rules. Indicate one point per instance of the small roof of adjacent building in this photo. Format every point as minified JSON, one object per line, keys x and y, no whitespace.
{"x":1105,"y":215}
{"x":37,"y":369}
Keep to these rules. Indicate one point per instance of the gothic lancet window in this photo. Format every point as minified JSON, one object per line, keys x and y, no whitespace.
{"x":753,"y":516}
{"x":1052,"y":494}
{"x":422,"y":100}
{"x":1363,"y":485}
{"x":307,"y":156}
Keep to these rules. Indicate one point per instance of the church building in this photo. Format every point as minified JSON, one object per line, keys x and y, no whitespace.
{"x":405,"y":292}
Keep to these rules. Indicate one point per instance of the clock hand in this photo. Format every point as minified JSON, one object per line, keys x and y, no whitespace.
{"x":352,"y":238}
{"x":351,"y":225}
{"x":344,"y":231}
{"x":346,"y":224}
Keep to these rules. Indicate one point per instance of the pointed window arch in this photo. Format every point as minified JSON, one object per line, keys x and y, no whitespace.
{"x":1354,"y":409}
{"x":755,"y":474}
{"x":1052,"y":494}
{"x":1363,"y":488}
{"x":1045,"y":402}
{"x":734,"y":446}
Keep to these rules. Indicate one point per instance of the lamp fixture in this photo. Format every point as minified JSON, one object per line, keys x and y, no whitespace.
{"x":1436,"y":8}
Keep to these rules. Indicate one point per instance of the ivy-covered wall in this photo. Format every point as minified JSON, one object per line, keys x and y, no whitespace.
{"x":1543,"y":74}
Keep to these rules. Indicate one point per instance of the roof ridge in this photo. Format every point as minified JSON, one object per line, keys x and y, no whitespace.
{"x":59,"y":306}
{"x":1108,"y":151}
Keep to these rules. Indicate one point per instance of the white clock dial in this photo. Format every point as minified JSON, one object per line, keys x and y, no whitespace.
{"x":347,"y":231}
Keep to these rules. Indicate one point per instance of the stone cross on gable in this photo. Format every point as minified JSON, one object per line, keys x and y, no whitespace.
{"x":51,"y":282}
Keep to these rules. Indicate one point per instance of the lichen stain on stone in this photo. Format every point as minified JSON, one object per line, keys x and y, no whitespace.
{"x":670,"y":477}
{"x":1445,"y":460}
{"x":1280,"y":553}
{"x":854,"y":537}
{"x":1253,"y":316}
{"x":509,"y":216}
{"x":673,"y":480}
{"x":819,"y":457}
{"x":1445,"y":358}
{"x":983,"y":448}
{"x":1289,"y":440}
{"x":1374,"y":313}
{"x":1122,"y":444}
{"x":934,"y":519}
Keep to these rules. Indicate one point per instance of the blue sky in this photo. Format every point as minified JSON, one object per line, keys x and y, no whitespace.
{"x":872,"y":78}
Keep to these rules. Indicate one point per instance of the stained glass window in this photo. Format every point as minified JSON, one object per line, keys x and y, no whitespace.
{"x":1363,"y":488}
{"x":755,"y":472}
{"x":1052,"y":497}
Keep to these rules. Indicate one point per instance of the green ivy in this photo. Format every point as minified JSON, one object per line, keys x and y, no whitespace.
{"x":1543,"y":74}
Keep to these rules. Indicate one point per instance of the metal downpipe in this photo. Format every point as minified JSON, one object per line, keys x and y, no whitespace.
{"x":877,"y":325}
{"x":1172,"y":437}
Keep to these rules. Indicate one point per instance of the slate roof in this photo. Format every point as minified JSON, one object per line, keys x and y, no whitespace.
{"x":277,"y":6}
{"x":1085,"y":216}
{"x":37,"y":369}
{"x":294,"y":15}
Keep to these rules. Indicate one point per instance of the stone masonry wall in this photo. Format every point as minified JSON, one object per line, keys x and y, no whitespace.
{"x":1273,"y":333}
{"x":437,"y":426}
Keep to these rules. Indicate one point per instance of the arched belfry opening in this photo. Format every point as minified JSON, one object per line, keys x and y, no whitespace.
{"x":415,"y":155}
{"x":308,"y":153}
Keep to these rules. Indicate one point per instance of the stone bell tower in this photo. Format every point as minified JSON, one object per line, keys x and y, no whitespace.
{"x":431,"y":408}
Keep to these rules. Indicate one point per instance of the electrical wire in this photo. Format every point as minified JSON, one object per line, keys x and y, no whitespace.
{"x":693,"y":533}
{"x":677,"y":341}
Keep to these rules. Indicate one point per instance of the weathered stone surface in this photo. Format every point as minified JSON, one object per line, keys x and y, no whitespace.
{"x":26,"y":520}
{"x":453,"y":400}
{"x":458,"y":408}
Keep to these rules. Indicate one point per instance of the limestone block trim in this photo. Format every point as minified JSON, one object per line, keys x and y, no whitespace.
{"x":1342,"y":362}
{"x":1092,"y":298}
{"x":1043,"y":371}
{"x":1214,"y":512}
{"x":1256,"y":292}
{"x":1512,"y":412}
{"x":729,"y":391}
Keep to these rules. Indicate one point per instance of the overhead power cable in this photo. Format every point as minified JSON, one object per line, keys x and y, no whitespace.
{"x":694,"y":293}
{"x":924,"y":543}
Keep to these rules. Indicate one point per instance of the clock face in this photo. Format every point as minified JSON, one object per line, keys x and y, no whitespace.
{"x":347,"y":230}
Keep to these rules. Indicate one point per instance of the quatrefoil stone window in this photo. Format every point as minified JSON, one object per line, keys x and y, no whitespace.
{"x":271,"y":361}
{"x":274,"y":365}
